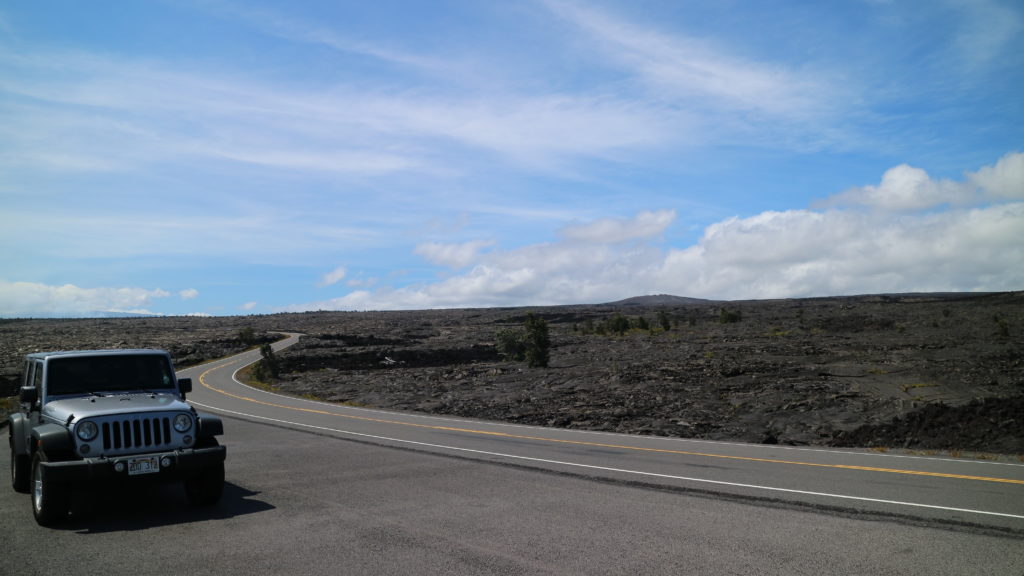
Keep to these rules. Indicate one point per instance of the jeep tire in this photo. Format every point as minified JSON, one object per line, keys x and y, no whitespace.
{"x":19,"y":470}
{"x":206,"y":488}
{"x":51,"y":501}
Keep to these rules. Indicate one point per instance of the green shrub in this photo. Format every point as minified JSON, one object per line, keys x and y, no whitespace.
{"x":511,"y":343}
{"x":617,"y":324}
{"x":267,"y":368}
{"x":727,"y":316}
{"x":531,"y":343}
{"x":664,"y":321}
{"x":538,"y":342}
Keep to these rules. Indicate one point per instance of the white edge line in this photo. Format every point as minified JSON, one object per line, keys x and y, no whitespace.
{"x":620,"y":470}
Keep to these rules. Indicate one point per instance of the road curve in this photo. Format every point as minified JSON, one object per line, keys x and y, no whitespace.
{"x":944,"y":490}
{"x":318,"y":489}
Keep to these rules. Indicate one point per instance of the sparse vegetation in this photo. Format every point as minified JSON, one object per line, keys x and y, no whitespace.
{"x":538,"y":342}
{"x":663,"y":321}
{"x":511,"y":344}
{"x":7,"y":405}
{"x":247,"y":336}
{"x":532,"y":343}
{"x":266,"y":369}
{"x":1002,"y":327}
{"x":727,"y":316}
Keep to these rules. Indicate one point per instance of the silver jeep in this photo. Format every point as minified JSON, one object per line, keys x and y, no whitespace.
{"x":100,"y":416}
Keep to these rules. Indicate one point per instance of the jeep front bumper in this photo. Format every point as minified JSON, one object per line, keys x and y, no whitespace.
{"x":176,"y":465}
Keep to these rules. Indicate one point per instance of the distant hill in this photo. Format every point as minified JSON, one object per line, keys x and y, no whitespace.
{"x":659,"y":300}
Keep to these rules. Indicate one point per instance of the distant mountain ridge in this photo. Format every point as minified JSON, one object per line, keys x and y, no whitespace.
{"x":660,"y":300}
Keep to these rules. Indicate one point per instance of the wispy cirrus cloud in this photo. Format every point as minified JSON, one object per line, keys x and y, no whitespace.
{"x":146,"y":112}
{"x":691,"y":71}
{"x":296,"y":29}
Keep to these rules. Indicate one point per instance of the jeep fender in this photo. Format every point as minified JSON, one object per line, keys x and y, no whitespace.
{"x":209,"y":426}
{"x":19,"y":434}
{"x":52,"y":440}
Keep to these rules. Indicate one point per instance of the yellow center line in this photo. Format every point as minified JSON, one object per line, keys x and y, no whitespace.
{"x":202,"y":380}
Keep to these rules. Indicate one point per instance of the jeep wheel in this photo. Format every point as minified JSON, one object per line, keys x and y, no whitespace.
{"x":206,"y":488}
{"x":19,"y":470}
{"x":50,"y":500}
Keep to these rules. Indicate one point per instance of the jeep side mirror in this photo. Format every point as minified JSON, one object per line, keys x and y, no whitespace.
{"x":28,"y":395}
{"x":185,"y":386}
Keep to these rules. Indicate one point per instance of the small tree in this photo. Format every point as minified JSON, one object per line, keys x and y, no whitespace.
{"x":727,"y":316}
{"x":511,"y":343}
{"x":538,"y":342}
{"x":247,"y":336}
{"x":618,"y":324}
{"x":664,"y":321}
{"x":531,"y":343}
{"x":267,"y":367}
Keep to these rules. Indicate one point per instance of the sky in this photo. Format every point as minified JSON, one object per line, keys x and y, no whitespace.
{"x":221,"y":157}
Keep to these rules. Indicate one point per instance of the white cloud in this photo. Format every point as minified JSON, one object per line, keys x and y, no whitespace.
{"x":189,"y":294}
{"x":332,"y":277}
{"x":905,"y":188}
{"x":345,"y":129}
{"x":248,"y":306}
{"x":34,"y":299}
{"x":805,"y":253}
{"x":770,"y":255}
{"x":615,"y":230}
{"x":1005,"y":180}
{"x":694,"y":71}
{"x":452,"y":255}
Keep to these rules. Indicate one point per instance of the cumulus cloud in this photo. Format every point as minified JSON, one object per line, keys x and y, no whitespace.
{"x":34,"y":299}
{"x":1004,"y":180}
{"x":906,"y":188}
{"x":189,"y":294}
{"x":332,"y":277}
{"x":906,"y":247}
{"x":806,"y":253}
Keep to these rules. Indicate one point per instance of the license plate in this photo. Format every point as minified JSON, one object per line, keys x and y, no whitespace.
{"x":148,"y":465}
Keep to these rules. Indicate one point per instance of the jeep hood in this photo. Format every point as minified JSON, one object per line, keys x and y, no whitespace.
{"x":89,"y":406}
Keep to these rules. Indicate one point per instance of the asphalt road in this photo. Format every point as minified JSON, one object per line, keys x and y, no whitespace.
{"x":316,"y":488}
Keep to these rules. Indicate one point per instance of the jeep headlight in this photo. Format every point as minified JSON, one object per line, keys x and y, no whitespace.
{"x":87,"y":431}
{"x":182,"y":423}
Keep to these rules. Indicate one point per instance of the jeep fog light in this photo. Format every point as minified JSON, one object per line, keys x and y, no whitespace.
{"x":119,"y":466}
{"x":182,"y":422}
{"x":87,"y":431}
{"x":165,"y":462}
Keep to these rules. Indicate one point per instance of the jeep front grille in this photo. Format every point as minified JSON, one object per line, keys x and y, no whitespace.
{"x":140,"y":432}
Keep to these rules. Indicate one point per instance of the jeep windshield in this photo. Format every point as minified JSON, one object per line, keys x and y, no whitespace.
{"x":108,"y":373}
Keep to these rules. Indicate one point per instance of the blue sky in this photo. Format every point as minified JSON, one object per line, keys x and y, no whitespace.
{"x":224,"y":157}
